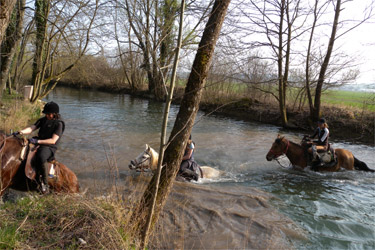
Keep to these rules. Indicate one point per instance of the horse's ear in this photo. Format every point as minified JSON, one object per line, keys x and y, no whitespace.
{"x":280,"y":137}
{"x":147,"y":147}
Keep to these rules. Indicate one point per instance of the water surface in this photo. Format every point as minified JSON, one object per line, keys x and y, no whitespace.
{"x":334,"y":210}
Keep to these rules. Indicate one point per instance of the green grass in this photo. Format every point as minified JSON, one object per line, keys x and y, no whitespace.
{"x":361,"y":100}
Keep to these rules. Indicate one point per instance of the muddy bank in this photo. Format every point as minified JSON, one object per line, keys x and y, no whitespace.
{"x":349,"y":125}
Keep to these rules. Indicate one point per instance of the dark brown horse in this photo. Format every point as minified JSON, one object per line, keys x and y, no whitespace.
{"x":298,"y":156}
{"x":12,"y":170}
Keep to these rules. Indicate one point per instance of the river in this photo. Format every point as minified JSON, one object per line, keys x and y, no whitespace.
{"x":330,"y":210}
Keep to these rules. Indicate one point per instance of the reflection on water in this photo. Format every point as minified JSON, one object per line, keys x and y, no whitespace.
{"x":336,"y":209}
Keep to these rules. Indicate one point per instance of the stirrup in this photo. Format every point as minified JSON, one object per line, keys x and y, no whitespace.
{"x":44,"y":188}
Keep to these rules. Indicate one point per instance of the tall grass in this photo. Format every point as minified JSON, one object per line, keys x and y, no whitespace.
{"x":16,"y":113}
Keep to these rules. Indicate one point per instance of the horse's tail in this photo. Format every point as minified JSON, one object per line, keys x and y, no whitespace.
{"x":360,"y":165}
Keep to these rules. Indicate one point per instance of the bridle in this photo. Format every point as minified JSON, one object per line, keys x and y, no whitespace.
{"x":282,"y":153}
{"x":141,"y":162}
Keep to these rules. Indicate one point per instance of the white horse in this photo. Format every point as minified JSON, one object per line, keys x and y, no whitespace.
{"x":148,"y":159}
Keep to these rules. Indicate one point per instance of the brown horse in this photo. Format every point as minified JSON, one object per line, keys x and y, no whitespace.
{"x":12,"y":170}
{"x":298,"y":156}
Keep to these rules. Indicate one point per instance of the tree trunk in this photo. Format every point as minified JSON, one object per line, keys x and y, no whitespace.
{"x":323,"y":69}
{"x":307,"y":68}
{"x":282,"y":83}
{"x":164,"y":130}
{"x":9,"y":44}
{"x":184,"y":120}
{"x":41,"y":17}
{"x":6,"y":10}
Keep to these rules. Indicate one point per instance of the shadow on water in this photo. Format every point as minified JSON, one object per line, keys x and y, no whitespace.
{"x":335,"y":210}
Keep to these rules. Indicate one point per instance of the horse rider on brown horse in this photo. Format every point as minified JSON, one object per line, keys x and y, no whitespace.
{"x":51,"y":128}
{"x":320,"y":145}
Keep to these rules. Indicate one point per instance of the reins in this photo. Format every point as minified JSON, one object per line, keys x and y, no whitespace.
{"x":138,"y":163}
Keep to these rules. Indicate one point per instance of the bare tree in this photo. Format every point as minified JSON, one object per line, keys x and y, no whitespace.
{"x":184,"y":120}
{"x":326,"y":69}
{"x":278,"y":24}
{"x":57,"y":28}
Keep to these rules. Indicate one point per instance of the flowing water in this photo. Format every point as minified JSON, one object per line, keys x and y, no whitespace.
{"x":332,"y":210}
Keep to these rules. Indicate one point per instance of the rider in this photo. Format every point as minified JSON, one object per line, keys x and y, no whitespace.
{"x":322,"y":143}
{"x":188,"y":167}
{"x":51,"y":128}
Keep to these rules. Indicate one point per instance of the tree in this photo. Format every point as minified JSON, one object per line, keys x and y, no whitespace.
{"x":9,"y":44}
{"x":58,"y":33}
{"x":6,"y":9}
{"x":277,"y":25}
{"x":326,"y":69}
{"x":184,"y":120}
{"x":152,"y":23}
{"x":145,"y":233}
{"x":152,"y":32}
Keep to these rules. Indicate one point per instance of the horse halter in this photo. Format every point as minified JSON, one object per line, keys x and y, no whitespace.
{"x":141,"y":162}
{"x":282,"y":153}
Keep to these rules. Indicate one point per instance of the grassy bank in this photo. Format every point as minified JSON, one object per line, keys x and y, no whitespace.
{"x":17,"y":113}
{"x":350,"y":99}
{"x":63,"y":222}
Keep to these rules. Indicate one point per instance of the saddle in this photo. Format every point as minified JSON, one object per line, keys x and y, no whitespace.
{"x":30,"y":170}
{"x":324,"y":158}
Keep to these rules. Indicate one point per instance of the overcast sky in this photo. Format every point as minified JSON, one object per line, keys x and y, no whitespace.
{"x":361,"y":41}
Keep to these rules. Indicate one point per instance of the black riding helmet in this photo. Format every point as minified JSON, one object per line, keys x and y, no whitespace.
{"x":51,"y":108}
{"x":322,"y":121}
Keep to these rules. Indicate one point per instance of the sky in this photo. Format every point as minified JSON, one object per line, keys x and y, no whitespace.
{"x":361,"y":41}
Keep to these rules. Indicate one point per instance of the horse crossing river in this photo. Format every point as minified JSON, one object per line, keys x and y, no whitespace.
{"x":303,"y":209}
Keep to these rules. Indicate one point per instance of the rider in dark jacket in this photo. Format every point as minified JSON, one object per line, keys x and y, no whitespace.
{"x":51,"y":128}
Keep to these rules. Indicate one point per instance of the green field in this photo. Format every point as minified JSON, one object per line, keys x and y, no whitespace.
{"x":350,"y":99}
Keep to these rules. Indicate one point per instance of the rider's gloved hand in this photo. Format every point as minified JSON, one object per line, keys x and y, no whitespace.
{"x":16,"y":133}
{"x":33,"y":141}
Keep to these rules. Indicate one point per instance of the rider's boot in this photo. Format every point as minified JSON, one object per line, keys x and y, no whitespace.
{"x":44,"y":181}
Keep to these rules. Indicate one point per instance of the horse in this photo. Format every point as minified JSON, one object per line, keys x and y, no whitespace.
{"x":148,"y":159}
{"x":14,"y":176}
{"x":298,"y":156}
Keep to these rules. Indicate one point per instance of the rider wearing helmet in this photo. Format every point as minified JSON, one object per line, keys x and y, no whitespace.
{"x":51,"y":128}
{"x":189,"y":168}
{"x":323,"y":133}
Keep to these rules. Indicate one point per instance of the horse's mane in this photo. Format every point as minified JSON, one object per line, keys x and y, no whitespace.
{"x":295,"y":144}
{"x":154,"y":158}
{"x":279,"y":140}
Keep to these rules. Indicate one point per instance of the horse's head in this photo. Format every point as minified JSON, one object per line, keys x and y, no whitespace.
{"x":278,"y":148}
{"x":146,"y":160}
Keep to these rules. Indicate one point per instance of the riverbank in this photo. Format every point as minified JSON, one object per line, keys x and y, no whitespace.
{"x":349,"y":124}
